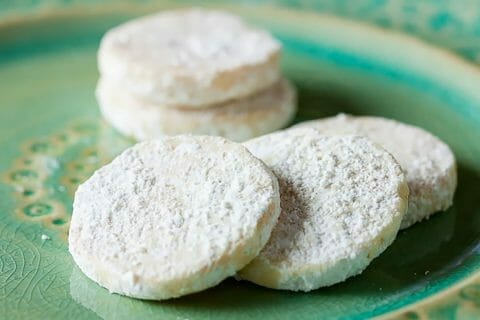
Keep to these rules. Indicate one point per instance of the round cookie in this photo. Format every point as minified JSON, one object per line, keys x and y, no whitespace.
{"x":189,"y":58}
{"x":342,"y":201}
{"x":428,"y":163}
{"x":173,"y":216}
{"x":238,"y":120}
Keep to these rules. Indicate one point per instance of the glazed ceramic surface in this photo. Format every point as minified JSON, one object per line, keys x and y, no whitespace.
{"x":453,"y":24}
{"x":52,"y":138}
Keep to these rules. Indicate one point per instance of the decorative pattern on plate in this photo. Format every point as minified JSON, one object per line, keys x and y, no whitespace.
{"x":461,"y":301}
{"x":454,"y":24}
{"x":44,"y":178}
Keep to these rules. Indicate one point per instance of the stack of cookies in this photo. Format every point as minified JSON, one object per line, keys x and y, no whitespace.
{"x":298,"y":209}
{"x":192,"y":71}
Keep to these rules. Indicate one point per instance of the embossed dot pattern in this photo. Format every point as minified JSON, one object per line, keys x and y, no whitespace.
{"x":52,"y":167}
{"x":23,"y":174}
{"x":37,"y":209}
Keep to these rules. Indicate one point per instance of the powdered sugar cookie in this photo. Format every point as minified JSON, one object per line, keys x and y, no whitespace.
{"x":429,"y":164}
{"x":189,"y":58}
{"x":342,"y":201}
{"x":173,"y":216}
{"x":237,"y":120}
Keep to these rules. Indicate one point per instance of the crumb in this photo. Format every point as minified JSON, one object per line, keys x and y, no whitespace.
{"x":45,"y":237}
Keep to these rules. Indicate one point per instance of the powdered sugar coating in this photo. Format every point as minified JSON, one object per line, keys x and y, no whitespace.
{"x":189,"y":57}
{"x":238,"y":120}
{"x":342,"y":201}
{"x":428,"y":163}
{"x":173,"y":216}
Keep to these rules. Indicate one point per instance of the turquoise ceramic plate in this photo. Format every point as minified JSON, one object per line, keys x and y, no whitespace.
{"x":52,"y":138}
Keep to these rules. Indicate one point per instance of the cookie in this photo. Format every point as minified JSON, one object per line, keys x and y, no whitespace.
{"x":428,"y":163}
{"x":342,"y":201}
{"x":173,"y":216}
{"x":237,"y":120}
{"x":189,"y":58}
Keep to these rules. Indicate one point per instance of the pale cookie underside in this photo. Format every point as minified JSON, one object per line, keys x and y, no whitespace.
{"x":428,"y":163}
{"x":190,"y":58}
{"x":342,"y":201}
{"x":237,"y":120}
{"x":173,"y":216}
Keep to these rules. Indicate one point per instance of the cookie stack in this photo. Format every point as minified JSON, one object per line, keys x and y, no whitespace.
{"x":192,"y":71}
{"x":297,"y":209}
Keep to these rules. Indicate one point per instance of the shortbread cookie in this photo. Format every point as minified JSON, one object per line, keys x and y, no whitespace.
{"x":428,"y":163}
{"x":342,"y":201}
{"x":237,"y":120}
{"x":173,"y":216}
{"x":189,"y":58}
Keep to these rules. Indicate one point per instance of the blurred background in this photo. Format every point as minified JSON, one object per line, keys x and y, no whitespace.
{"x":454,"y":24}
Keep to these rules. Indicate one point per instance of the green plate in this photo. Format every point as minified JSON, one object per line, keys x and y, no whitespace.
{"x":52,"y":138}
